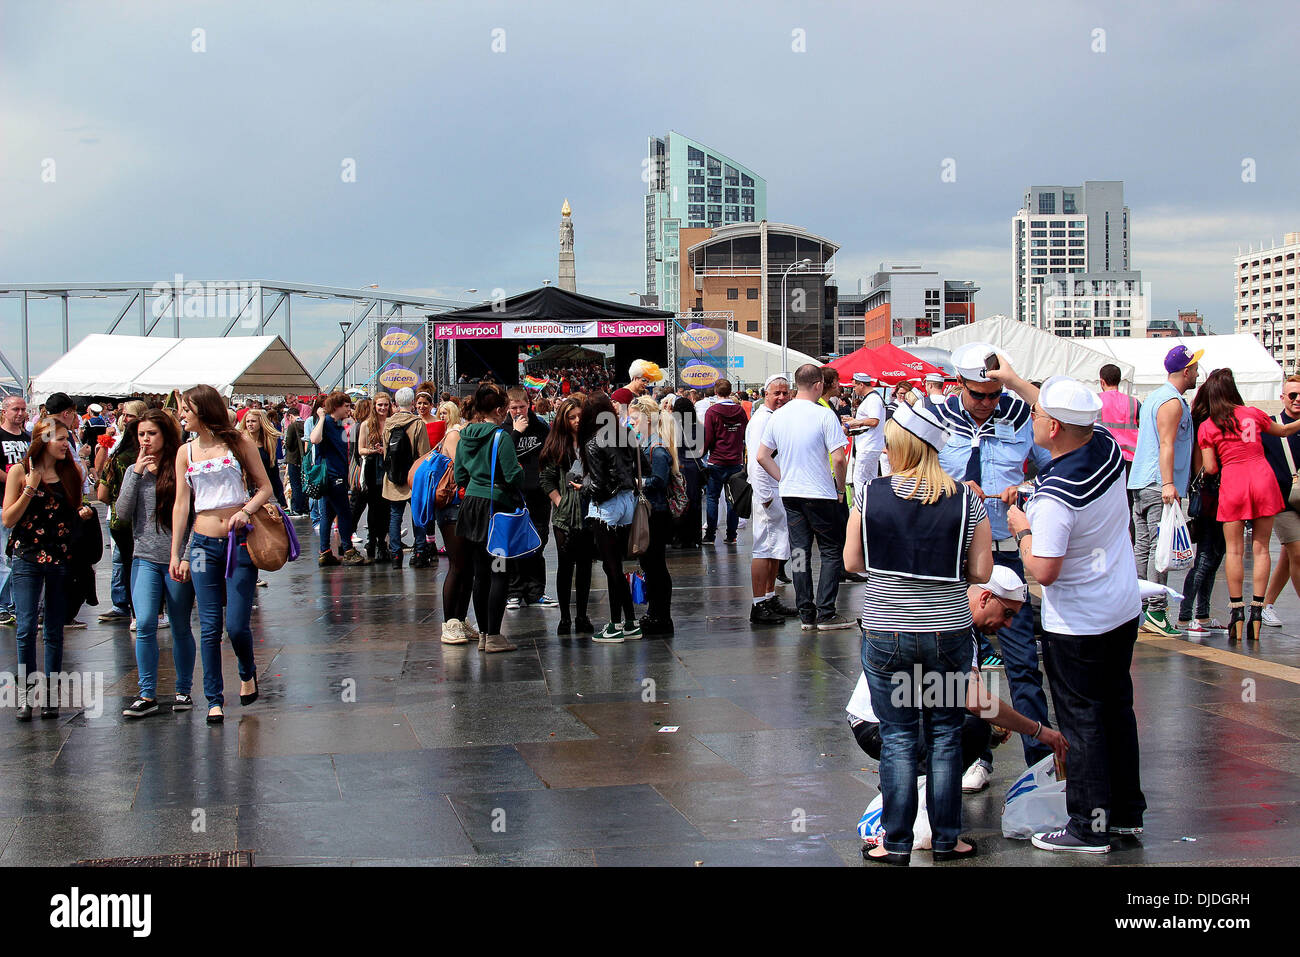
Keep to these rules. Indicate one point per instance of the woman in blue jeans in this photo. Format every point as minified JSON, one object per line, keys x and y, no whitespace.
{"x":332,"y":447}
{"x":146,"y":501}
{"x":42,"y":510}
{"x":923,"y":539}
{"x":217,"y":467}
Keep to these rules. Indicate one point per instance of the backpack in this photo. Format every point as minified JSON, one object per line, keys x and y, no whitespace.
{"x":678,"y":500}
{"x":399,"y":456}
{"x":427,"y":488}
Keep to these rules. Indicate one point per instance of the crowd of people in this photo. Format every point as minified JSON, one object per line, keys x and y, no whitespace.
{"x":941,"y":501}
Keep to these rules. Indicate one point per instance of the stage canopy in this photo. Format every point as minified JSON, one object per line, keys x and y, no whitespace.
{"x":1036,"y":354}
{"x":888,"y":367}
{"x":549,"y":313}
{"x":120,"y":366}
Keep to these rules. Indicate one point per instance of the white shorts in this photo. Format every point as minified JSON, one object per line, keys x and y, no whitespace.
{"x":771,"y":531}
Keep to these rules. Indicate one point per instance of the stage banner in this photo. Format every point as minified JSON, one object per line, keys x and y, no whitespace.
{"x":400,"y":359}
{"x":593,"y":329}
{"x":701,"y":356}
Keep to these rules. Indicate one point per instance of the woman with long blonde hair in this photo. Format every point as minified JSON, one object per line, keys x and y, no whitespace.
{"x":256,"y":424}
{"x":924,"y":540}
{"x":371,"y":415}
{"x":658,"y":434}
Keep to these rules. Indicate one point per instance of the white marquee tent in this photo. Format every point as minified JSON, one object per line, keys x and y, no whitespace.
{"x":1036,"y":354}
{"x":752,"y":359}
{"x":119,"y":366}
{"x":1258,"y":376}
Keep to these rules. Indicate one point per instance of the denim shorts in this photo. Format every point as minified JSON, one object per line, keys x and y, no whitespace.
{"x":616,"y":511}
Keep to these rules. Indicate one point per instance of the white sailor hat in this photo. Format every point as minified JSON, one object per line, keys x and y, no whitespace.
{"x":767,"y":383}
{"x":1005,"y":583}
{"x":969,"y":360}
{"x":922,"y":423}
{"x":934,"y":377}
{"x":1069,"y":400}
{"x":863,"y":377}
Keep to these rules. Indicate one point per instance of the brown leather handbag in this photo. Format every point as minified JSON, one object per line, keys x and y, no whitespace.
{"x":638,"y":538}
{"x":270,"y":539}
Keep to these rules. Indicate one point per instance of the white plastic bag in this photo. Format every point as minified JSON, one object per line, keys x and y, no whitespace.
{"x":872,"y":832}
{"x":1035,"y":802}
{"x":1174,"y":545}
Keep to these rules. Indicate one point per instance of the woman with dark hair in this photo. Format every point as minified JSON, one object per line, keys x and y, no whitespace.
{"x":1231,"y":446}
{"x":147,"y":501}
{"x":216,"y":467}
{"x":690,"y":435}
{"x":369,"y":447}
{"x":609,"y":457}
{"x":489,"y":472}
{"x":42,"y":510}
{"x":1207,"y":532}
{"x":560,"y":478}
{"x":332,"y":447}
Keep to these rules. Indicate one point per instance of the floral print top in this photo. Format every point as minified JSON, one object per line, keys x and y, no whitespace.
{"x":44,"y":534}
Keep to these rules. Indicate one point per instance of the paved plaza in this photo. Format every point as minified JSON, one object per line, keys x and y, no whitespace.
{"x":374,"y":743}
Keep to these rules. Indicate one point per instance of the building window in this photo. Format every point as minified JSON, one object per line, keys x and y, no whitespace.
{"x":733,"y":293}
{"x":747,"y":196}
{"x":731,"y":196}
{"x":732,"y":214}
{"x":1046,"y":204}
{"x":695,"y":194}
{"x":747,"y":214}
{"x":715,"y":166}
{"x":746,"y":180}
{"x":751,"y":325}
{"x":695,"y":176}
{"x":751,"y":293}
{"x":1067,"y":202}
{"x":732,"y":176}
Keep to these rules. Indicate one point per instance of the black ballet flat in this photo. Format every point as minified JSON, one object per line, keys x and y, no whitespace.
{"x":954,"y":854}
{"x":217,"y":718}
{"x":249,"y":698}
{"x":898,"y":860}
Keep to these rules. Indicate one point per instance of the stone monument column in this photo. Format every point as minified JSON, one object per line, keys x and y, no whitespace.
{"x":568,"y":278}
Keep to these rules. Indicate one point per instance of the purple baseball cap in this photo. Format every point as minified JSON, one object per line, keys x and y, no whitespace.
{"x":1179,"y":358}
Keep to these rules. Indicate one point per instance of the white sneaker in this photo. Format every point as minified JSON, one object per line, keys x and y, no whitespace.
{"x":163,"y":622}
{"x":976,"y":778}
{"x":1195,"y":629}
{"x":1270,"y":617}
{"x":453,"y":632}
{"x":133,"y":624}
{"x":513,"y":604}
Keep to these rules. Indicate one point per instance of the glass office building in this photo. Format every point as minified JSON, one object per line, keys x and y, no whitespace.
{"x":691,"y":186}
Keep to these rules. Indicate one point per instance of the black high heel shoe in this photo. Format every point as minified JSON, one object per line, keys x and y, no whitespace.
{"x":245,"y":699}
{"x":565,"y":627}
{"x":1236,"y":618}
{"x":217,"y":718}
{"x":1255,"y":623}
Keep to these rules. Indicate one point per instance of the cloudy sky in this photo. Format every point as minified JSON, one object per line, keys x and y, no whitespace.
{"x":227,"y":162}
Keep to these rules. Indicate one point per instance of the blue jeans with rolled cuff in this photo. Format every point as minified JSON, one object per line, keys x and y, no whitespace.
{"x":906,"y":712}
{"x":151,"y":584}
{"x":30,"y":579}
{"x":223,"y":603}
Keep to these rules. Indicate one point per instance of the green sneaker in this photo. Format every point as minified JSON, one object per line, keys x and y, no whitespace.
{"x":1157,"y":623}
{"x":611,"y":634}
{"x":631,"y":632}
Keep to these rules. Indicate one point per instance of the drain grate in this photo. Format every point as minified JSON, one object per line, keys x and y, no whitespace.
{"x":197,"y":859}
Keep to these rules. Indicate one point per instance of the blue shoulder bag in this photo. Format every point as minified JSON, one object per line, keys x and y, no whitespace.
{"x":510,"y":534}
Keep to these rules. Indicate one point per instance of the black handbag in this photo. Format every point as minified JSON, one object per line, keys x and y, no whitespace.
{"x":740,"y":496}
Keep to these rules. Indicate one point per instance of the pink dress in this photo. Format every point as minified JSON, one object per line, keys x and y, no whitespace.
{"x":1247,"y":487}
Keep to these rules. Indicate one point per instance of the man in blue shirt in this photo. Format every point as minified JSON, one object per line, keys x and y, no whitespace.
{"x":992,"y":437}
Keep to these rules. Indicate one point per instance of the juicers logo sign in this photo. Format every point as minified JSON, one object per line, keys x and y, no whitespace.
{"x":700,"y":339}
{"x":396,"y":377}
{"x":398,"y":342}
{"x":698,"y":375}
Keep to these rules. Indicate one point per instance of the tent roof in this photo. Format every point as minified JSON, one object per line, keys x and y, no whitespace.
{"x":881,"y":366}
{"x":114,"y":366}
{"x":553,"y":304}
{"x":1258,"y":375}
{"x":1036,"y":354}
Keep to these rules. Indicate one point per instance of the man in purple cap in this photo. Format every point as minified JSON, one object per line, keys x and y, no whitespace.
{"x":1162,"y":463}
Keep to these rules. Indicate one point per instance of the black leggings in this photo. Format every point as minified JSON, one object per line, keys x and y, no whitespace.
{"x":489,"y":590}
{"x":575,"y":551}
{"x":658,"y":582}
{"x":611,"y":546}
{"x":458,"y":586}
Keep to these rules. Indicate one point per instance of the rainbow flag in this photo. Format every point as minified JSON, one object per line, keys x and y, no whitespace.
{"x":533,"y":382}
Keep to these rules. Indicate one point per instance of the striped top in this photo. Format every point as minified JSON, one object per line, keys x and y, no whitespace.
{"x":898,"y":603}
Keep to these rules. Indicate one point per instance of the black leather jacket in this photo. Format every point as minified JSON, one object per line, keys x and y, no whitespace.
{"x":611,"y":469}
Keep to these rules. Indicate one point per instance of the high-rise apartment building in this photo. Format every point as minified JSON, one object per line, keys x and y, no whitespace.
{"x":1264,"y":299}
{"x":1061,"y":232}
{"x":691,"y":186}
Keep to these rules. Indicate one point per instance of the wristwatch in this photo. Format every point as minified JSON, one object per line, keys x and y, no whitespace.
{"x":1020,"y":535}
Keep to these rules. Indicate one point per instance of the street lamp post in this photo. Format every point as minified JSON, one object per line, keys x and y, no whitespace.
{"x":784,"y":358}
{"x":344,"y":325}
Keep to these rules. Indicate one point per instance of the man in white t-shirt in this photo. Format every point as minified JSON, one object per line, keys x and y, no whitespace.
{"x":868,"y":446}
{"x":1075,"y":542}
{"x":803,"y":449}
{"x":771,"y":531}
